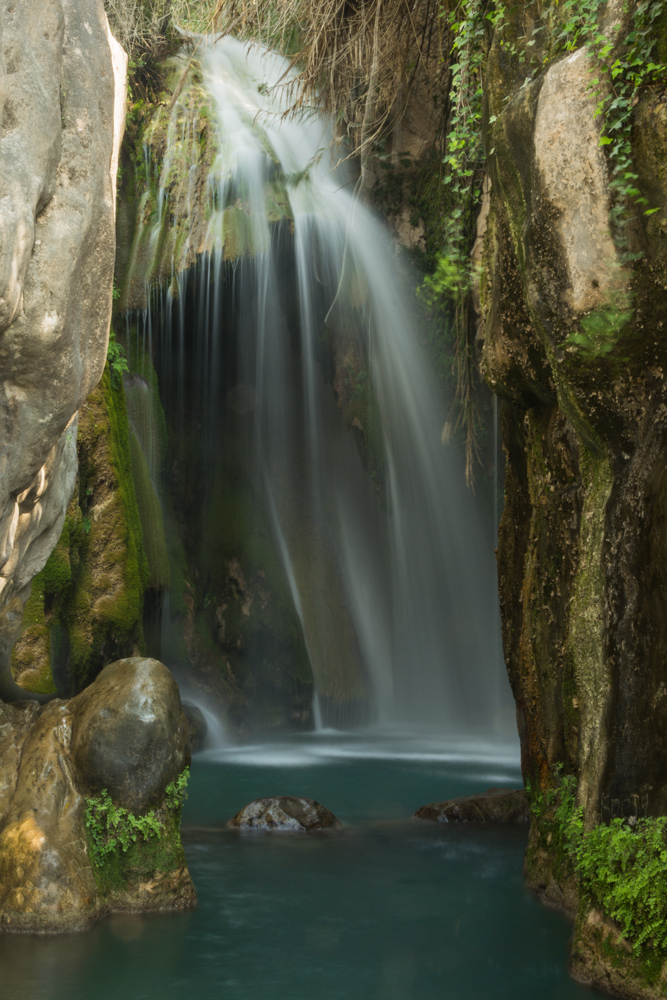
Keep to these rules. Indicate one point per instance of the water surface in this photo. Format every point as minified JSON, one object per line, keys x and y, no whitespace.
{"x":387,"y":909}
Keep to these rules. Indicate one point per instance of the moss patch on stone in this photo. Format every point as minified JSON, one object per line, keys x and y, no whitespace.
{"x":90,"y":593}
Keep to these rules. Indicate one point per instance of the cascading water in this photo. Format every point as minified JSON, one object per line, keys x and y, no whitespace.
{"x":289,"y":355}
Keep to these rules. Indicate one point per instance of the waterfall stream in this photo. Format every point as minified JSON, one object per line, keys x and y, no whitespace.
{"x":288,"y":348}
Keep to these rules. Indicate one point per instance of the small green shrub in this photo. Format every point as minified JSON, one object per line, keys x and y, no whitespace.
{"x":112,"y":828}
{"x":117,"y":361}
{"x":621,"y":867}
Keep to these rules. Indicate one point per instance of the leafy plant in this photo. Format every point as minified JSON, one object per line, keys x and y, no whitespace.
{"x":117,"y":361}
{"x":621,"y":867}
{"x":176,"y":791}
{"x":630,"y":72}
{"x":112,"y":828}
{"x":463,"y":164}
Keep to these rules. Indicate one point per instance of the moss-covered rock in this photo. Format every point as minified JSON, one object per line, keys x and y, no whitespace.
{"x":178,"y":196}
{"x":62,"y":866}
{"x":86,"y":606}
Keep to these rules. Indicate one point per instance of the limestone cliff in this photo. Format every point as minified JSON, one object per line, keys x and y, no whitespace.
{"x":574,"y":342}
{"x":62,"y":100}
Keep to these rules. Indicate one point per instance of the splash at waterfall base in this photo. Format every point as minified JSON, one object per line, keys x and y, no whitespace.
{"x":315,"y":527}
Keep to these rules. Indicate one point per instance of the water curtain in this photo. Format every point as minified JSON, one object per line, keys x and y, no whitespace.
{"x":281,"y":321}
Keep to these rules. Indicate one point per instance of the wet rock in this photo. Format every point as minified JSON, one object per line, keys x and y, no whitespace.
{"x":498,"y":805}
{"x":129,"y":734}
{"x":284,"y":813}
{"x":197,"y":727}
{"x":126,"y":733}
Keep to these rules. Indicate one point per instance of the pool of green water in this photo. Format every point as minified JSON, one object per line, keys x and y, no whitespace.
{"x":388,"y":908}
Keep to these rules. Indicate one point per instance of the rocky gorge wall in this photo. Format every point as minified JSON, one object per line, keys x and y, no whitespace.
{"x":63,"y":104}
{"x":91,"y":789}
{"x":574,"y":344}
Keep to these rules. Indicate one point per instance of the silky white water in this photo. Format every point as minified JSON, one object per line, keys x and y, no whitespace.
{"x":388,"y":563}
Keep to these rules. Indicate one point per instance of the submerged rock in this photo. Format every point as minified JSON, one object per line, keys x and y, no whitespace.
{"x":125,"y":733}
{"x":284,"y":813}
{"x":498,"y":805}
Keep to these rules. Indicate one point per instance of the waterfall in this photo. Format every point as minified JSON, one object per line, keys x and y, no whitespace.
{"x":288,"y":349}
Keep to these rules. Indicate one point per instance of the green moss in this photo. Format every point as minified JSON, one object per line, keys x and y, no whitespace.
{"x":150,"y":514}
{"x":121,"y":871}
{"x":30,"y":655}
{"x":90,"y":593}
{"x":33,"y":613}
{"x":587,"y":627}
{"x":238,"y":234}
{"x":57,"y":574}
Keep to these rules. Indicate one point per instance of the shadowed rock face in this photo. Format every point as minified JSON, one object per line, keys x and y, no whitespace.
{"x":62,"y":97}
{"x":284,"y":813}
{"x":127,"y":733}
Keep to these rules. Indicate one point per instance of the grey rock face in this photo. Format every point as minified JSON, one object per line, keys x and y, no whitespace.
{"x":284,"y":813}
{"x":62,"y":97}
{"x":129,"y":734}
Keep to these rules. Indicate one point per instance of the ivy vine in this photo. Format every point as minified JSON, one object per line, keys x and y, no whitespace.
{"x":621,"y":69}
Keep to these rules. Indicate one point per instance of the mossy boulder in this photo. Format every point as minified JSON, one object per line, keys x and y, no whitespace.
{"x":51,"y":878}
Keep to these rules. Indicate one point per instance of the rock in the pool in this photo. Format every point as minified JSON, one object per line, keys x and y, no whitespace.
{"x":124,"y":733}
{"x":284,"y":813}
{"x":498,"y":805}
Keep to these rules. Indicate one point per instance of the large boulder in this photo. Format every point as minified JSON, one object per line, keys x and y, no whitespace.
{"x":53,"y":760}
{"x":284,"y":813}
{"x":62,"y":99}
{"x":129,"y":733}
